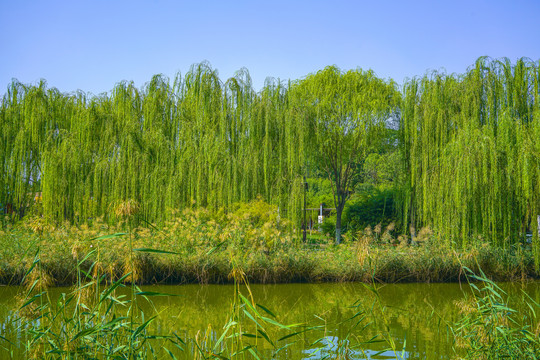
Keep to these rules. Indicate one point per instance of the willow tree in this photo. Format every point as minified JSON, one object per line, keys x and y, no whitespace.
{"x":471,"y":144}
{"x":344,"y":115}
{"x":197,"y":141}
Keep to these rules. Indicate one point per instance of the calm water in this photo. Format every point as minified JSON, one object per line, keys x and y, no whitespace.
{"x":416,"y":314}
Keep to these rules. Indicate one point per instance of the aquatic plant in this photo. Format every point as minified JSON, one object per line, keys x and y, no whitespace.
{"x":99,"y":320}
{"x":491,"y":329}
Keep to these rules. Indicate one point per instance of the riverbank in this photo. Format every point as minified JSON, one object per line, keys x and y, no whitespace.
{"x":197,"y":249}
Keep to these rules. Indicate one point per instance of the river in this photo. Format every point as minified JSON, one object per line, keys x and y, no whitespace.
{"x":415,"y":316}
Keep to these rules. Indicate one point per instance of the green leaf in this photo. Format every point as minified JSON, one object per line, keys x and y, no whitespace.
{"x":156,"y":251}
{"x":266,"y":310}
{"x":114,"y":286}
{"x":169,"y":352}
{"x":154,"y":293}
{"x":104,"y":237}
{"x":142,"y":327}
{"x":265,"y":335}
{"x":215,"y":248}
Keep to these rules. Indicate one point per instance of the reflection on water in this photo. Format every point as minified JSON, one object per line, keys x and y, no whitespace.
{"x":330,"y":346}
{"x":415,"y":316}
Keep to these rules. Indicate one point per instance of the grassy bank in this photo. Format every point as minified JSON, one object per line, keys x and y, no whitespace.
{"x":203,"y":247}
{"x":97,"y":320}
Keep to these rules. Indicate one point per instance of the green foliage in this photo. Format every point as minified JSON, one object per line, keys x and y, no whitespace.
{"x":369,"y":206}
{"x":319,"y":192}
{"x":345,"y":115}
{"x":328,"y":226}
{"x":256,"y":212}
{"x":471,"y":145}
{"x":105,"y":321}
{"x":373,"y":206}
{"x":193,"y":142}
{"x":382,"y":168}
{"x":491,"y":329}
{"x":203,"y":247}
{"x":468,"y":165}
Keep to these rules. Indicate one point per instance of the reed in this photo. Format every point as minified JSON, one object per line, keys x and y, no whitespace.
{"x":101,"y":316}
{"x":102,"y":321}
{"x":204,"y":247}
{"x":490,"y":328}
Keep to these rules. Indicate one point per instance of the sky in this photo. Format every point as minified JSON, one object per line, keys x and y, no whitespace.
{"x":92,"y":45}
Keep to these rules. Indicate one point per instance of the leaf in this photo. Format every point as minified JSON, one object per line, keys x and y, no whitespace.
{"x":114,"y":286}
{"x":215,"y":247}
{"x":250,"y":335}
{"x":142,"y":327}
{"x":3,"y":338}
{"x":266,"y":310}
{"x":156,"y":251}
{"x":251,"y":317}
{"x":291,"y":335}
{"x":104,"y":237}
{"x":86,"y":257}
{"x":252,"y":351}
{"x":265,"y":335}
{"x":153,"y":293}
{"x":169,"y":352}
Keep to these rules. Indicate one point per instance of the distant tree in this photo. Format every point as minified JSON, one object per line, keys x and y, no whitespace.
{"x":344,"y":116}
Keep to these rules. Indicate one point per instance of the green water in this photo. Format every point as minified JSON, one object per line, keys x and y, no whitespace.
{"x":415,"y":316}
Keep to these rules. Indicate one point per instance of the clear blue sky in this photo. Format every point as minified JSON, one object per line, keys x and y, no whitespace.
{"x":91,"y":45}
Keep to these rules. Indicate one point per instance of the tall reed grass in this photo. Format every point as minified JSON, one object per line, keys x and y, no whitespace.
{"x":491,"y":329}
{"x":102,"y":316}
{"x":204,"y":247}
{"x":103,"y":319}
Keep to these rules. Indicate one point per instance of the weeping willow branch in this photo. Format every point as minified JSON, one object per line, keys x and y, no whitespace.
{"x":471,"y":142}
{"x":197,"y":142}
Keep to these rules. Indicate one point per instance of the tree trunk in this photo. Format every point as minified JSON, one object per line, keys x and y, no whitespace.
{"x":339,"y":210}
{"x":412,"y":227}
{"x":538,"y":225}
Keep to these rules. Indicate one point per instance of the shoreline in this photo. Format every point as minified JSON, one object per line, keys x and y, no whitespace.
{"x":195,"y":248}
{"x":337,"y":265}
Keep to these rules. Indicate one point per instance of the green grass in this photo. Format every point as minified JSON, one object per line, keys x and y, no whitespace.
{"x":97,"y":320}
{"x":197,"y":247}
{"x":490,"y":329}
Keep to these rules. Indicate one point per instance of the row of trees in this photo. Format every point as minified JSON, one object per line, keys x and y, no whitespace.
{"x":469,"y":145}
{"x":192,"y":142}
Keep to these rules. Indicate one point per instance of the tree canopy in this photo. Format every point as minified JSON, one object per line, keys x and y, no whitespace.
{"x":195,"y":141}
{"x":471,"y":145}
{"x":344,"y":114}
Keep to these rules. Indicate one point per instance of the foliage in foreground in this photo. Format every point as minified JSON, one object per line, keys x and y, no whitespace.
{"x":95,"y":321}
{"x":491,"y":329}
{"x":204,"y":247}
{"x":98,"y":322}
{"x":101,"y":317}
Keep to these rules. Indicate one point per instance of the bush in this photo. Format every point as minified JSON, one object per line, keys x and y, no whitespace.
{"x":373,"y":206}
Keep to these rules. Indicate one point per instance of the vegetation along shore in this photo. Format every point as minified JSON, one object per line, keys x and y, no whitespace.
{"x":198,"y":246}
{"x":339,"y":176}
{"x":410,"y":180}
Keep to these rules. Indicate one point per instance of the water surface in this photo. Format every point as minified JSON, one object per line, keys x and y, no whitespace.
{"x":416,"y":316}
